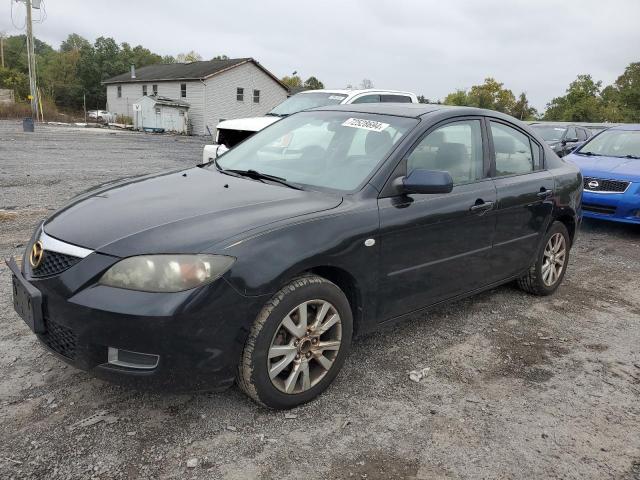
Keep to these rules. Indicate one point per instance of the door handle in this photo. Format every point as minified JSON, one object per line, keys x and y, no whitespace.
{"x":481,"y":206}
{"x":544,"y":193}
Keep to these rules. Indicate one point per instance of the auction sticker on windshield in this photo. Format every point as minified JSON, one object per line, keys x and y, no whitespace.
{"x":365,"y":124}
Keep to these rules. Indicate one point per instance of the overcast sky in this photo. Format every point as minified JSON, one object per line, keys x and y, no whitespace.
{"x":431,"y":47}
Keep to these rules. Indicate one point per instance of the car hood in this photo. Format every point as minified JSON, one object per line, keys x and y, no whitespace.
{"x":607,"y":167}
{"x":178,"y":212}
{"x":254,"y":124}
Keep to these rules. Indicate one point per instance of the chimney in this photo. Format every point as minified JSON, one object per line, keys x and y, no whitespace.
{"x":133,"y":71}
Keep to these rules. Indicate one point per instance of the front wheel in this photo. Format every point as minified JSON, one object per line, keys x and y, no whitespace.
{"x":297,"y":344}
{"x":546,"y":274}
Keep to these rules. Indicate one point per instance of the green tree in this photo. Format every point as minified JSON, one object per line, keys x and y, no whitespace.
{"x":220,"y":57}
{"x":492,"y":95}
{"x":313,"y":83}
{"x":582,"y":102}
{"x":627,"y":87}
{"x":293,"y":81}
{"x":14,"y":80}
{"x":458,"y":98}
{"x":522,"y":110}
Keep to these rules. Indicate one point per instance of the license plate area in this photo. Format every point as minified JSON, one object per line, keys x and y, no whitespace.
{"x":27,"y":300}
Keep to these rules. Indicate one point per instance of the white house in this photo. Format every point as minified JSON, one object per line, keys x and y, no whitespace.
{"x":215,"y":90}
{"x":161,"y":113}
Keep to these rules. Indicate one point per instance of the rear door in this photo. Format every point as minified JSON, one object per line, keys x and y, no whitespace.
{"x":525,"y":192}
{"x":437,"y":246}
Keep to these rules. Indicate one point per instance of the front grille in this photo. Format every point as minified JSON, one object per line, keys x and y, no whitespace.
{"x":605,"y":209}
{"x":60,"y":339}
{"x":54,"y":263}
{"x":604,"y":185}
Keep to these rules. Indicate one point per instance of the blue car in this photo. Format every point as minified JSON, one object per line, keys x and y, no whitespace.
{"x":610,"y":165}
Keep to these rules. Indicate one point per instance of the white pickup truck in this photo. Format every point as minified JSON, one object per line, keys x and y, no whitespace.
{"x":231,"y":132}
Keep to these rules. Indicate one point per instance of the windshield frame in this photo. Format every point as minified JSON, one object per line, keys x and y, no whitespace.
{"x":596,"y":136}
{"x":408,"y":134}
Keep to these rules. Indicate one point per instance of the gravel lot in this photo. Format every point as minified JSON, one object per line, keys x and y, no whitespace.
{"x":518,"y":386}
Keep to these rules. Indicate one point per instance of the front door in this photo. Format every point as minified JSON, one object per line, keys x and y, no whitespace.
{"x":434,"y":247}
{"x":525,"y":193}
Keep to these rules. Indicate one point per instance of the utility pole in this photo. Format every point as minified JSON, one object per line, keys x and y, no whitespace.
{"x":33,"y":87}
{"x":2,"y":49}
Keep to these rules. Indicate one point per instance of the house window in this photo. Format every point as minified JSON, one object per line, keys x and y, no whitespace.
{"x":144,"y":89}
{"x":157,"y":110}
{"x":240,"y":94}
{"x":183,"y":90}
{"x":155,"y":89}
{"x":256,"y":96}
{"x":119,"y":91}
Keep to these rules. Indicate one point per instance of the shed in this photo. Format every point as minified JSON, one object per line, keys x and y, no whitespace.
{"x":161,"y":114}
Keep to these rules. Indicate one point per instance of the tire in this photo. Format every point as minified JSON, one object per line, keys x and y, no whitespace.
{"x":269,"y":336}
{"x":538,"y":280}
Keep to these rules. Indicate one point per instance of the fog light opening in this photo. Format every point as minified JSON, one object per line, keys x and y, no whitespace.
{"x":129,"y":359}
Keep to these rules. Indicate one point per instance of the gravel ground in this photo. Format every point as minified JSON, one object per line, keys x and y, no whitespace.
{"x":517,"y":387}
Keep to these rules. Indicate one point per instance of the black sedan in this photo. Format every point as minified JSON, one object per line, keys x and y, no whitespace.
{"x":562,"y":138}
{"x":261,"y":266}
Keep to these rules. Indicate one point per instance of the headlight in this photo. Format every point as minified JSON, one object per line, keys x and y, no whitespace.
{"x":166,"y":273}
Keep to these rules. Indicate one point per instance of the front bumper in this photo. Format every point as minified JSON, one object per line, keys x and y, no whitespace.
{"x":616,"y":207}
{"x":198,"y":335}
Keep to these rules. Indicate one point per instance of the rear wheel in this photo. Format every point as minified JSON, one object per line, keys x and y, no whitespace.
{"x":546,"y":274}
{"x":297,"y":344}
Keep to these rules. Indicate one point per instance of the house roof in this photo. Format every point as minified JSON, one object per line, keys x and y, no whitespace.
{"x":185,"y":71}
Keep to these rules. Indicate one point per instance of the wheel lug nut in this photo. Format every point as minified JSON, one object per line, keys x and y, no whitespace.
{"x":296,"y":343}
{"x":298,"y":357}
{"x":309,"y":355}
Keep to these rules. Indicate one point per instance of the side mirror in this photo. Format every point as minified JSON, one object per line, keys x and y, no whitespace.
{"x":425,"y":181}
{"x":570,"y":140}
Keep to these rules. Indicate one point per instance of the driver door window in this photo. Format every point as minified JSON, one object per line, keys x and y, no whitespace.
{"x":455,"y":148}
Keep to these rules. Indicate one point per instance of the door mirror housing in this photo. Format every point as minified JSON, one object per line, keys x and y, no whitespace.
{"x":425,"y":181}
{"x":570,"y":140}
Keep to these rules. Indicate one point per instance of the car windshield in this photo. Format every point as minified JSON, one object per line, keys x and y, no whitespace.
{"x":329,"y":150}
{"x":304,"y":101}
{"x":548,"y":133}
{"x":614,"y":143}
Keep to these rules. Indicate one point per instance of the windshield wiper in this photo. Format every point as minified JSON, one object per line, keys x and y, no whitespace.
{"x":632,"y":156}
{"x":272,"y":114}
{"x":589,"y":154}
{"x":254,"y":174}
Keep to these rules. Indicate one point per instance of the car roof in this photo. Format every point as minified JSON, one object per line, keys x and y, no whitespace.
{"x":353,"y":92}
{"x":631,"y":127}
{"x":412,"y":110}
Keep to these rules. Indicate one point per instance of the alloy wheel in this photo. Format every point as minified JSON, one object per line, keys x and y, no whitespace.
{"x":304,"y":346}
{"x":555,"y":254}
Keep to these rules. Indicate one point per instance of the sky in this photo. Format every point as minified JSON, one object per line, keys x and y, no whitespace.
{"x":430,"y":47}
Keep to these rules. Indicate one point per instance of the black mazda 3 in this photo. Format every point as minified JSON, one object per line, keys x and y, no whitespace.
{"x":260,"y":267}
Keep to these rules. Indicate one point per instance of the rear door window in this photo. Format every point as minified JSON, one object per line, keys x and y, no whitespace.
{"x":367,"y":99}
{"x":512,"y":148}
{"x":571,"y":134}
{"x":395,"y":98}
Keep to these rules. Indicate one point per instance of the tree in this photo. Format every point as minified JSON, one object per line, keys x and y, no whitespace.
{"x":582,"y":102}
{"x":220,"y":57}
{"x":191,"y":56}
{"x":522,"y":110}
{"x":293,"y":81}
{"x":423,"y":99}
{"x":74,"y":43}
{"x":627,"y":93}
{"x":313,"y":83}
{"x":366,"y":83}
{"x":491,"y":95}
{"x":458,"y":98}
{"x":16,"y":81}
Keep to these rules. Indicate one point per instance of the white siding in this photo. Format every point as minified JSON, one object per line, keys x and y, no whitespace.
{"x":131,"y":93}
{"x":220,"y":94}
{"x":216,"y":96}
{"x":168,"y":116}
